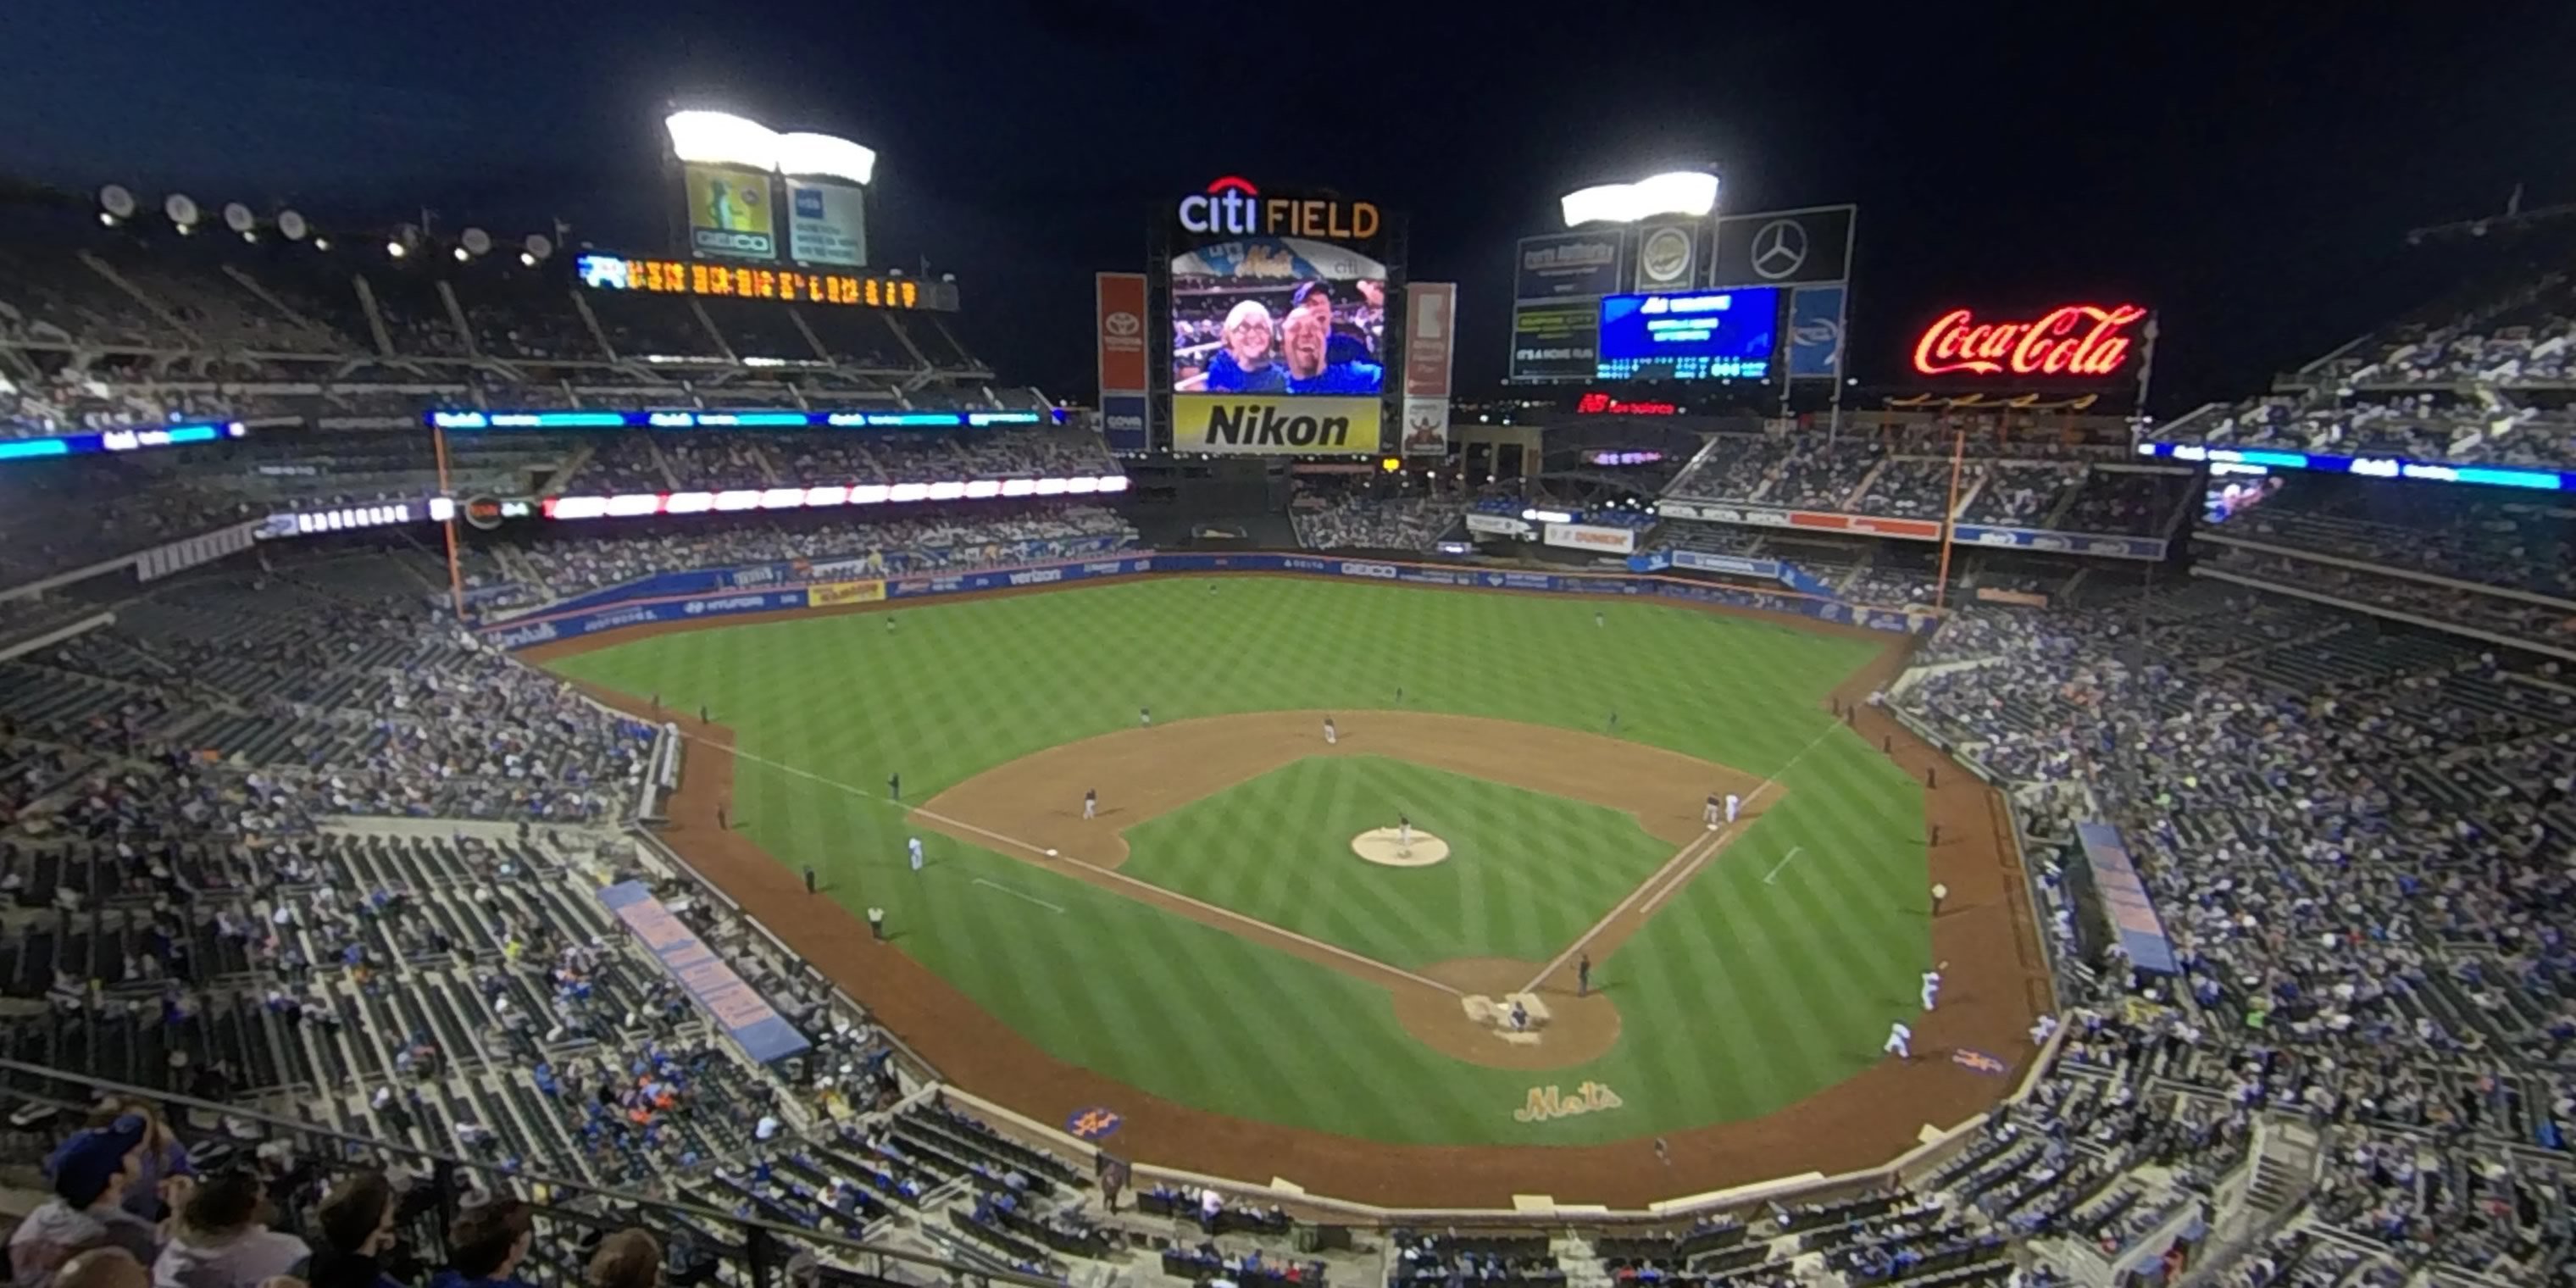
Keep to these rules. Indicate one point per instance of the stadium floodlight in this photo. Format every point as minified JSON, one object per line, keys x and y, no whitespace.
{"x":527,"y":260}
{"x":1689,"y":193}
{"x":292,"y":226}
{"x":722,"y":138}
{"x":824,"y":156}
{"x":321,"y":243}
{"x":477,"y":241}
{"x":181,"y":209}
{"x":117,"y":201}
{"x":395,"y":249}
{"x":462,"y":254}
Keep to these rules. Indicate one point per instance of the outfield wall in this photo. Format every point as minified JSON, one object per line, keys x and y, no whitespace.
{"x":726,"y":592}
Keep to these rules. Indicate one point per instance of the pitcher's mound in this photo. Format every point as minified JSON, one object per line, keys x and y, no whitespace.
{"x":1379,"y":845}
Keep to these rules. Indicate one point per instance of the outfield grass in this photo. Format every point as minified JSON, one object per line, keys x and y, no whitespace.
{"x":1527,"y":871}
{"x":1743,"y":994}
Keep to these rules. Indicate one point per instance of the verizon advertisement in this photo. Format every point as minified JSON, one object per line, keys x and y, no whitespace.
{"x":1124,"y":423}
{"x":1430,"y":334}
{"x":1584,"y":536}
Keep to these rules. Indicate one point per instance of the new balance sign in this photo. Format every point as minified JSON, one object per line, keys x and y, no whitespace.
{"x":1275,"y":426}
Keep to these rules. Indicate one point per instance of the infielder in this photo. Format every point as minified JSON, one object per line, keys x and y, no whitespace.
{"x":1403,"y":835}
{"x":1931,"y":988}
{"x":1709,"y":814}
{"x":1734,"y":806}
{"x":915,"y":846}
{"x":1899,"y":1041}
{"x":1090,"y":803}
{"x":1332,"y":736}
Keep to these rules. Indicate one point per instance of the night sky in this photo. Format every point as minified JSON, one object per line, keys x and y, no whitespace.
{"x":2250,"y":174}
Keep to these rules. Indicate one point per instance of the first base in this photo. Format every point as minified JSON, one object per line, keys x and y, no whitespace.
{"x":1050,"y":854}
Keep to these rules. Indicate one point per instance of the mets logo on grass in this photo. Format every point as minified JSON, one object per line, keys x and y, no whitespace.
{"x":1547,"y":1103}
{"x":1255,"y":425}
{"x":1093,"y":1123}
{"x":845,"y":592}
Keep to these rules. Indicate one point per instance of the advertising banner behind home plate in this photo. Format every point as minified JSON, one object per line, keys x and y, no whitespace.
{"x":1584,"y":536}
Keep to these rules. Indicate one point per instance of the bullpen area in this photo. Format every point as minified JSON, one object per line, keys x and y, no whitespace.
{"x":1477,"y":940}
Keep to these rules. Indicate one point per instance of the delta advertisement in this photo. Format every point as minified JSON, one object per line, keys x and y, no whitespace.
{"x":1235,"y":425}
{"x":524,"y":633}
{"x":729,"y":211}
{"x":827,"y":223}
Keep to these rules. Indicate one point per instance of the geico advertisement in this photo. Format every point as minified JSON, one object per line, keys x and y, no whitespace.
{"x":1299,"y":425}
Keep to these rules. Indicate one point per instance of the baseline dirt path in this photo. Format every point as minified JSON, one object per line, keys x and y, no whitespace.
{"x":1995,"y":983}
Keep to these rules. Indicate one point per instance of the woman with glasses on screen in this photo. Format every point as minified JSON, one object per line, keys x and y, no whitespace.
{"x":1248,"y":362}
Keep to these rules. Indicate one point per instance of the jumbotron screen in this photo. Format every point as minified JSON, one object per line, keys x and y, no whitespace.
{"x":1278,"y":315}
{"x":1690,"y":335}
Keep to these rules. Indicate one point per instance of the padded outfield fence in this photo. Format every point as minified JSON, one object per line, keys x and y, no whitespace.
{"x":784,"y":587}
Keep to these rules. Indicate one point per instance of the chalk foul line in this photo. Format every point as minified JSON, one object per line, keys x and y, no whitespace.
{"x":1017,"y":894}
{"x":1679,"y":869}
{"x":1784,"y":862}
{"x":1093,"y":874}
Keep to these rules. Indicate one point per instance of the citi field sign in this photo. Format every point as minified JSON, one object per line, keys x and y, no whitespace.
{"x":1232,"y":207}
{"x":2069,"y":340}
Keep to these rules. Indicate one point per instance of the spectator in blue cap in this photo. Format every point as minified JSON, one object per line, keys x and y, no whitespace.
{"x":90,"y":1173}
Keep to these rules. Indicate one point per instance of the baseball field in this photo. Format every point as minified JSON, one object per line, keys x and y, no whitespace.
{"x":1240,"y":955}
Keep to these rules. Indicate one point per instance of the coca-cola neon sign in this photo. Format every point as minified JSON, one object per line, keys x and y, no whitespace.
{"x":2069,"y":340}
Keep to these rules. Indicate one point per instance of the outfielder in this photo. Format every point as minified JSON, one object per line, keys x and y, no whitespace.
{"x":915,"y":846}
{"x":1734,"y":806}
{"x":1709,"y":814}
{"x":1144,"y":717}
{"x":1090,"y":803}
{"x":1899,"y":1041}
{"x":1332,"y":736}
{"x":1931,"y":988}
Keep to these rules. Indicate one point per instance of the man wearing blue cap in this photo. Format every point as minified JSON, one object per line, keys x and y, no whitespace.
{"x":90,"y":1173}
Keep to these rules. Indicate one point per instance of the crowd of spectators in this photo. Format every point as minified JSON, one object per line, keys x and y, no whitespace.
{"x":714,"y":460}
{"x":1373,"y":516}
{"x":2010,"y":483}
{"x":978,"y":534}
{"x":2481,"y":535}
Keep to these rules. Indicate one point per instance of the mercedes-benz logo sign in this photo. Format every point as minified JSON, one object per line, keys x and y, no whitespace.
{"x":1121,"y":324}
{"x":1779,"y":249}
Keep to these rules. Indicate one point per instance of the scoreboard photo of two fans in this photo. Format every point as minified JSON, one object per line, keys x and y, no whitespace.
{"x":1272,"y":323}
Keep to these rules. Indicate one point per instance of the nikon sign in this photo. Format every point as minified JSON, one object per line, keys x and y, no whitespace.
{"x":1235,"y":425}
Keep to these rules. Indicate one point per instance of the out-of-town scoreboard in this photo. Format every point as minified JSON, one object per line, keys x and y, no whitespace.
{"x":738,"y":282}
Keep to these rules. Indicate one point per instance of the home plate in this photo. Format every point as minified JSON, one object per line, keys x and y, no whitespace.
{"x":1496,"y":1016}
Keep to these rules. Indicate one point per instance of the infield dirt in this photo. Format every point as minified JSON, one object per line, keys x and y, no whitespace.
{"x":1995,"y":982}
